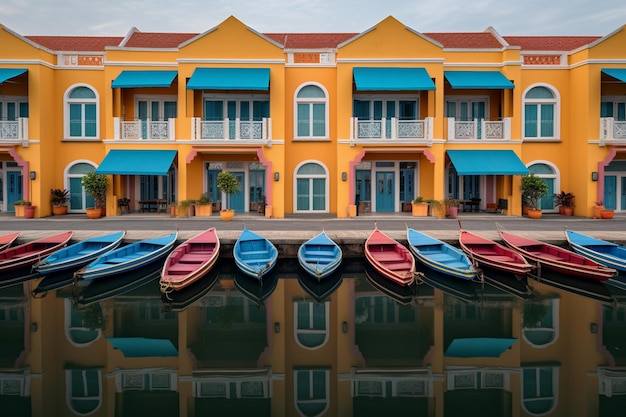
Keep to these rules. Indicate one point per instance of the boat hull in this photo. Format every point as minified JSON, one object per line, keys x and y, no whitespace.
{"x":254,"y":255}
{"x":26,"y":255}
{"x":490,"y":254}
{"x":440,"y":256}
{"x":320,"y":256}
{"x":389,"y":258}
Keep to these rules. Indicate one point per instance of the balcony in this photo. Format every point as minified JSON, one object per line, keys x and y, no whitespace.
{"x":144,"y":129}
{"x":14,"y":131}
{"x":479,"y":129}
{"x":228,"y":129}
{"x":393,"y":129}
{"x":612,"y":131}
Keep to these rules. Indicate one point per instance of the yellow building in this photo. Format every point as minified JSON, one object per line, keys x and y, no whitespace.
{"x":336,"y":123}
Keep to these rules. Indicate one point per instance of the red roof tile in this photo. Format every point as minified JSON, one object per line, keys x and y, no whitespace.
{"x":76,"y":43}
{"x":468,"y":40}
{"x":550,"y":43}
{"x":309,"y":40}
{"x":158,"y":39}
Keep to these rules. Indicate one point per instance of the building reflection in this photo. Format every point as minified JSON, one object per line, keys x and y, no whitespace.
{"x":355,"y":346}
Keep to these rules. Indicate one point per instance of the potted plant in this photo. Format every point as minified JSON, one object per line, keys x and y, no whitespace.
{"x":451,"y":208}
{"x":59,"y":198}
{"x":19,"y":207}
{"x":533,"y":188}
{"x":597,"y":208}
{"x":565,"y":202}
{"x":228,"y":183}
{"x":96,"y":186}
{"x":419,"y":207}
{"x":186,"y":208}
{"x":204,"y":206}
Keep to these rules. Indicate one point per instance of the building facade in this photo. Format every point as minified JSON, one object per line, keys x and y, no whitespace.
{"x":340,"y":123}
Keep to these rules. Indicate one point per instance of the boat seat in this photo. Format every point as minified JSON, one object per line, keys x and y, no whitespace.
{"x":501,"y":258}
{"x":252,"y":253}
{"x":180,"y":268}
{"x":192,"y":259}
{"x":388,"y":256}
{"x":442,"y":257}
{"x":84,"y":252}
{"x":395,"y":266}
{"x":309,"y":254}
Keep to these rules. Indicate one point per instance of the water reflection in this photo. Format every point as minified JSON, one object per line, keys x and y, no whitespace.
{"x":353,"y":345}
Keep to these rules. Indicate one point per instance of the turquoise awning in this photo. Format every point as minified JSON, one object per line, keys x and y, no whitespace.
{"x":479,"y":347}
{"x":254,"y":79}
{"x":489,"y":80}
{"x":8,"y":73}
{"x":619,"y":73}
{"x":139,"y":79}
{"x":487,"y":162}
{"x":141,"y":347}
{"x":136,"y":162}
{"x":392,"y":79}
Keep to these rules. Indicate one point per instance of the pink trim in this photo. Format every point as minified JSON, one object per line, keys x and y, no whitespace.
{"x":357,"y":159}
{"x":25,"y":172}
{"x":268,"y":176}
{"x":601,"y":165}
{"x":192,"y":154}
{"x":429,"y":156}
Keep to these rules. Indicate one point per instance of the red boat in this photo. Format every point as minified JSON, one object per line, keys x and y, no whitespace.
{"x":490,"y":254}
{"x":7,"y":240}
{"x":190,"y":261}
{"x":556,"y":258}
{"x":390,"y":258}
{"x":27,"y":254}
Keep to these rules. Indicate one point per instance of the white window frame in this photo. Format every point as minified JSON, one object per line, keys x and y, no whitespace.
{"x":556,"y":102}
{"x":310,"y":102}
{"x":66,"y":113}
{"x":325,"y":176}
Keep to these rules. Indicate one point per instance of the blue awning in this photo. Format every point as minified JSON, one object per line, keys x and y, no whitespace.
{"x":489,"y":80}
{"x":619,"y":73}
{"x":392,"y":79}
{"x":479,"y":347}
{"x":139,"y":79}
{"x":8,"y":73}
{"x":141,"y":347}
{"x":487,"y":162}
{"x":136,"y":162}
{"x":254,"y":79}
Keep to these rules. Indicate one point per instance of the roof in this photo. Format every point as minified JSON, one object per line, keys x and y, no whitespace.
{"x":76,"y":43}
{"x":550,"y":43}
{"x":457,"y":40}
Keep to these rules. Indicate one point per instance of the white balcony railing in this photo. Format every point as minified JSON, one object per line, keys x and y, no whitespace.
{"x":14,"y":130}
{"x":391,"y":129}
{"x":612,"y":130}
{"x":479,"y":129}
{"x":229,"y":129}
{"x":144,"y":129}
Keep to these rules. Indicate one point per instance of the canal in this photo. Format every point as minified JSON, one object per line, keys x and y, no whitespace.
{"x":352,"y":345}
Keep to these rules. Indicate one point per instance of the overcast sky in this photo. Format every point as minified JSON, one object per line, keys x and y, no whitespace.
{"x":117,"y":17}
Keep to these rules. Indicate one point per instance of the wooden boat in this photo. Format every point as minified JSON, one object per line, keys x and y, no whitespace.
{"x":127,"y":258}
{"x":7,"y":240}
{"x":556,"y":258}
{"x":606,"y":253}
{"x":440,"y":256}
{"x":320,"y":256}
{"x":190,"y":261}
{"x":254,"y":255}
{"x":79,"y":254}
{"x":490,"y":254}
{"x":28,"y":254}
{"x":391,"y":259}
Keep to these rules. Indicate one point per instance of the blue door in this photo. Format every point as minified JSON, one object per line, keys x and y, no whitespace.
{"x":547,"y":201}
{"x":14,"y":189}
{"x":237,"y":200}
{"x":385,"y":186}
{"x":610,"y":187}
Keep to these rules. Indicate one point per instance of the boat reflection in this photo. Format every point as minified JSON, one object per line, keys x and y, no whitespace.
{"x":357,"y":346}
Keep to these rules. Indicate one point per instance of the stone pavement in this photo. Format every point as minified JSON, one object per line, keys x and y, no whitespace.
{"x":297,"y":228}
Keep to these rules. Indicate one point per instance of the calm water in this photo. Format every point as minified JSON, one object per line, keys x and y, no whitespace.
{"x":352,"y":346}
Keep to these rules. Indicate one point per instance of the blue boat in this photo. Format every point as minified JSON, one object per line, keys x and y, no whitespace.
{"x":440,"y":256}
{"x":79,"y":254}
{"x":254,"y":255}
{"x":319,"y":256}
{"x":606,"y":253}
{"x":128,"y":258}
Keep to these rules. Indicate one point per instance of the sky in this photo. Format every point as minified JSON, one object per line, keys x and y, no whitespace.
{"x":507,"y":17}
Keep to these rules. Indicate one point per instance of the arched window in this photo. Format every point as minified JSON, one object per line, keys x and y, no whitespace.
{"x":311,"y":183}
{"x":540,"y":322}
{"x":311,"y":113}
{"x":312,"y":391}
{"x":311,"y":324}
{"x":81,"y":113}
{"x":541,"y":114}
{"x":83,"y":390}
{"x":540,"y":389}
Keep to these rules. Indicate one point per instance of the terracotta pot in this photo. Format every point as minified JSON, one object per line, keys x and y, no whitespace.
{"x":227,"y":215}
{"x":93,"y":213}
{"x":59,"y":210}
{"x":606,"y":214}
{"x":596,"y":211}
{"x":566,"y":211}
{"x":534,"y":213}
{"x":29,"y":212}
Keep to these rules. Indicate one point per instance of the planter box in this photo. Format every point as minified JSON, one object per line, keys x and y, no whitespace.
{"x":419,"y":209}
{"x":19,"y":211}
{"x":204,"y":210}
